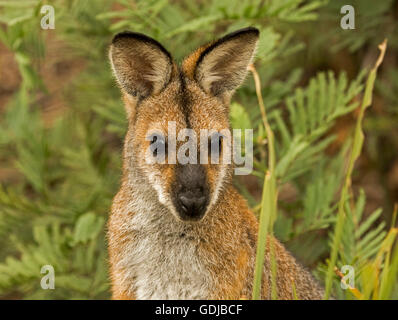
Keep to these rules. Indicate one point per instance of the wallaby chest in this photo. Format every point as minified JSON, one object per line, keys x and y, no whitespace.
{"x":165,"y":259}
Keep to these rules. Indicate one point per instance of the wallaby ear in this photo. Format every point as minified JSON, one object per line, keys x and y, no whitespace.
{"x":141,"y":65}
{"x":222,"y":66}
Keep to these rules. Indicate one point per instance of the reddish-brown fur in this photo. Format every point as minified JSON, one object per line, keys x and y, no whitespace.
{"x":153,"y":254}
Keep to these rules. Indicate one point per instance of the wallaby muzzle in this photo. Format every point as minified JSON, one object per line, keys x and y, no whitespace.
{"x":191,"y":192}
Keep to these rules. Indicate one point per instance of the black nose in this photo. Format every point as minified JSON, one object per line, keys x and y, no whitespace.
{"x":191,"y":193}
{"x":192,"y":205}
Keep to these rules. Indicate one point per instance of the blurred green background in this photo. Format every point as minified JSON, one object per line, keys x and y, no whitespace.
{"x":62,"y":124}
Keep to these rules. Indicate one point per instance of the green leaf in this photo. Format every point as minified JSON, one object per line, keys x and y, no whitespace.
{"x":88,"y":226}
{"x":239,"y":117}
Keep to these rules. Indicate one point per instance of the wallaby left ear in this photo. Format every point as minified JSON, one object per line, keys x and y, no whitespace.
{"x":222,"y":67}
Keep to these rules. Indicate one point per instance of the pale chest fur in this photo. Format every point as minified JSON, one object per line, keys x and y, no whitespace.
{"x":161,"y":259}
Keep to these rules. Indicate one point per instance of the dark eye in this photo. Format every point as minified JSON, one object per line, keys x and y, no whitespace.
{"x":215,"y":144}
{"x":158,"y":145}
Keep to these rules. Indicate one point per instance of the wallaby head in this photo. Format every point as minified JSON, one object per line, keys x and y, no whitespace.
{"x":159,"y":94}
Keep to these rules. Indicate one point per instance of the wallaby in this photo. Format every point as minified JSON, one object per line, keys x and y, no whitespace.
{"x":182,"y":231}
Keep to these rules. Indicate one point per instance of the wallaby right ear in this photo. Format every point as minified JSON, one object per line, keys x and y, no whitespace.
{"x":141,"y":65}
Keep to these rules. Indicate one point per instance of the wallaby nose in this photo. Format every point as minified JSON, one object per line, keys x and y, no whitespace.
{"x":191,"y":194}
{"x":192,"y":205}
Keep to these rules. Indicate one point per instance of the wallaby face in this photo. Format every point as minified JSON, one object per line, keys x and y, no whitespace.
{"x":162,"y":99}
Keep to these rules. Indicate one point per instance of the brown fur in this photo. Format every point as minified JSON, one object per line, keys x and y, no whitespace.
{"x":153,"y":254}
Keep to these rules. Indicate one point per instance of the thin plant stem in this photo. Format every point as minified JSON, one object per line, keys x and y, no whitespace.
{"x":268,"y":203}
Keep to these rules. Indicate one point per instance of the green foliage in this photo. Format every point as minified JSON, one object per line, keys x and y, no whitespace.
{"x":360,"y":240}
{"x":79,"y":263}
{"x":373,"y":22}
{"x":312,"y":112}
{"x":67,"y":170}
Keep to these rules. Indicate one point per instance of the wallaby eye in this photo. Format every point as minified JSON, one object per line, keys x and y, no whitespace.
{"x":215,"y":144}
{"x":158,"y":144}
